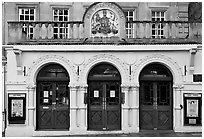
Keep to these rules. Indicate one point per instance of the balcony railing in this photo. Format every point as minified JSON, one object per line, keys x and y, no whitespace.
{"x":43,"y":32}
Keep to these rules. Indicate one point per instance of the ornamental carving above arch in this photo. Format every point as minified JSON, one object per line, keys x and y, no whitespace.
{"x":104,"y":19}
{"x":40,"y":62}
{"x":167,"y":61}
{"x":108,"y":58}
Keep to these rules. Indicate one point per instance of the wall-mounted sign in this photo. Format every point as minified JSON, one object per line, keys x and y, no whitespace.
{"x":112,"y":93}
{"x":96,"y":93}
{"x":46,"y":94}
{"x":192,"y":108}
{"x":16,"y":108}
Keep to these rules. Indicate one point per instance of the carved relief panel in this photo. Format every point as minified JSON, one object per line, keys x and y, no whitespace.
{"x":104,"y":20}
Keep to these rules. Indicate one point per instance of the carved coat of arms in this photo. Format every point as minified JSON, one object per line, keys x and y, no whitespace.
{"x":104,"y":22}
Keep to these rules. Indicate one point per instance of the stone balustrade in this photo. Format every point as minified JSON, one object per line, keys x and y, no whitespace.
{"x":73,"y":31}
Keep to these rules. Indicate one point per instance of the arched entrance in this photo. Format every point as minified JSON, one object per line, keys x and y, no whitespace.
{"x":104,"y":98}
{"x":156,"y":98}
{"x":53,"y":98}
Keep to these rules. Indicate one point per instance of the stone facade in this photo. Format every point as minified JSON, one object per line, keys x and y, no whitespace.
{"x":25,"y":61}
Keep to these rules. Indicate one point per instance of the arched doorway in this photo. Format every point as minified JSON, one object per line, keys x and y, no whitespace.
{"x":52,"y":95}
{"x":156,"y":98}
{"x":104,"y":98}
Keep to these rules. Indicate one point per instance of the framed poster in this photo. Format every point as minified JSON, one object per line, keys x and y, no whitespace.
{"x":16,"y":108}
{"x":112,"y":93}
{"x":46,"y":93}
{"x":192,"y":108}
{"x":96,"y":93}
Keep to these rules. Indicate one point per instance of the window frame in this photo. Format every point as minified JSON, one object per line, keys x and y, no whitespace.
{"x":66,"y":33}
{"x":131,"y":28}
{"x":159,"y":28}
{"x":28,"y":30}
{"x":28,"y":5}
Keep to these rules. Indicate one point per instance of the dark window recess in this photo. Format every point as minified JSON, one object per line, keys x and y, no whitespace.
{"x":197,"y":78}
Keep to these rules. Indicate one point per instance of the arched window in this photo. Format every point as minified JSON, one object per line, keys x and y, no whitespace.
{"x":104,"y":71}
{"x":53,"y":71}
{"x":155,"y":71}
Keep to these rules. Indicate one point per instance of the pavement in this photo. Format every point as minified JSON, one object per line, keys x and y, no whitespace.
{"x":144,"y":134}
{"x":140,"y":134}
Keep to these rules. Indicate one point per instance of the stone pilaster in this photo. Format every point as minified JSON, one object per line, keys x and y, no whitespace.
{"x":73,"y":107}
{"x":135,"y":107}
{"x":177,"y":92}
{"x":82,"y":108}
{"x":125,"y":108}
{"x":31,"y":106}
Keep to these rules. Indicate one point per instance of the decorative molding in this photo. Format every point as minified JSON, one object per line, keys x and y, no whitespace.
{"x":106,"y":58}
{"x":172,"y":65}
{"x":37,"y":65}
{"x":104,"y":5}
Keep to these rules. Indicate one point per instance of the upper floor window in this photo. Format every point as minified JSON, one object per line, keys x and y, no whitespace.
{"x":27,"y":15}
{"x":61,"y":30}
{"x":158,"y":28}
{"x":129,"y":26}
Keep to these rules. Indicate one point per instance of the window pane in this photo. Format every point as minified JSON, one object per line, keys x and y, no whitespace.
{"x":60,"y":12}
{"x":65,"y":12}
{"x":32,"y":18}
{"x":21,"y":17}
{"x":26,"y":11}
{"x":131,"y":13}
{"x":55,"y":30}
{"x":27,"y":17}
{"x":31,"y":11}
{"x":55,"y":18}
{"x":65,"y":18}
{"x":60,"y":18}
{"x":55,"y":12}
{"x":21,"y":11}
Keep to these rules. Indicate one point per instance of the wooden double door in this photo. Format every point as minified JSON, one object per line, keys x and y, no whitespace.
{"x":156,"y":105}
{"x":53,"y":105}
{"x":104,"y":106}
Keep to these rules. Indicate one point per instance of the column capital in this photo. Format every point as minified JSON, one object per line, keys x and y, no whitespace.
{"x":178,"y":86}
{"x":31,"y":86}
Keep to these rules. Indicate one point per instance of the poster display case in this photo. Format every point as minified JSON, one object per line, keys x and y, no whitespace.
{"x":16,"y":108}
{"x":192,"y":108}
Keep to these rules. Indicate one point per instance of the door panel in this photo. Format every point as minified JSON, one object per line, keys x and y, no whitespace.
{"x":104,"y":106}
{"x":53,"y":105}
{"x":155,"y":105}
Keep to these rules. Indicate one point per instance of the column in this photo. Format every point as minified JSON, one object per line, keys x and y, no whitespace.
{"x":82,"y":107}
{"x":177,"y":110}
{"x":125,"y":108}
{"x":135,"y":107}
{"x":73,"y":107}
{"x":31,"y":108}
